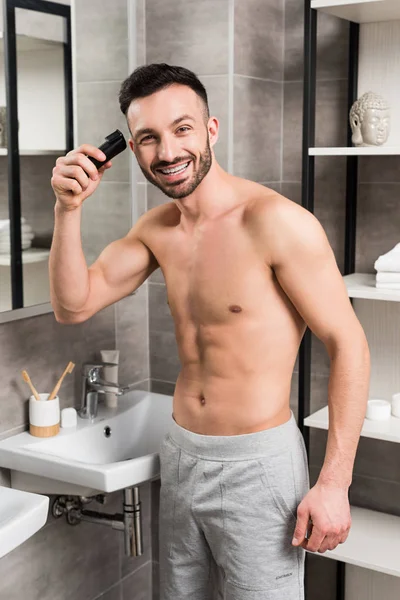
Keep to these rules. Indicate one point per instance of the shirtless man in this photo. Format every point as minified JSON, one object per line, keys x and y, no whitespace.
{"x":246,"y":271}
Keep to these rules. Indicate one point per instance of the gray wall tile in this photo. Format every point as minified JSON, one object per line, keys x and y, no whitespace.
{"x":101,"y":40}
{"x":141,"y":31}
{"x":331,"y":125}
{"x":156,"y":581}
{"x":379,"y":169}
{"x":332,"y":44}
{"x":376,"y":494}
{"x":106,"y":217}
{"x":321,"y":577}
{"x":160,"y":318}
{"x":137,"y":586}
{"x":141,"y":192}
{"x":98,"y":104}
{"x":218,"y":93}
{"x":164,"y":363}
{"x":155,"y":196}
{"x":377,"y":223}
{"x":131,"y":321}
{"x":257,"y":132}
{"x":115,"y":593}
{"x":82,"y":550}
{"x":259,"y":39}
{"x":188,"y":33}
{"x":162,"y":387}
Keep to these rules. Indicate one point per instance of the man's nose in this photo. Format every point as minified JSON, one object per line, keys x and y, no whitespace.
{"x":167,"y":150}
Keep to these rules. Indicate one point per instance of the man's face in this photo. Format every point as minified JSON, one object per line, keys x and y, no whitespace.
{"x":170,"y":139}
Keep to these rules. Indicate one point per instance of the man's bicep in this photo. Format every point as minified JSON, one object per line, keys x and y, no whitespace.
{"x":306,"y":269}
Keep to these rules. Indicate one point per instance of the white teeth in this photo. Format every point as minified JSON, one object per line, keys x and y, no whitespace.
{"x":174,"y":170}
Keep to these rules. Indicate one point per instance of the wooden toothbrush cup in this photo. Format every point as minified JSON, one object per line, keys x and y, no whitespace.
{"x":44,"y":416}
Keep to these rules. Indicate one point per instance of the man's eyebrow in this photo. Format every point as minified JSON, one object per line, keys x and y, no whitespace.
{"x":149,"y":130}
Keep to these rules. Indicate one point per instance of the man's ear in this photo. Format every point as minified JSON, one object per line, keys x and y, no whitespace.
{"x":213,"y":130}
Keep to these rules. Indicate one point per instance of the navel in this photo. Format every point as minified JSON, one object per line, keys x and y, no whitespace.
{"x":202,"y":399}
{"x":235,"y":308}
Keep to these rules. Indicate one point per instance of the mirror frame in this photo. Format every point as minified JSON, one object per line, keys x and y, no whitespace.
{"x":18,"y":311}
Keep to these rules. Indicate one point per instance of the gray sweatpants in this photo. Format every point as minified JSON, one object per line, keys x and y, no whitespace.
{"x":228,"y":513}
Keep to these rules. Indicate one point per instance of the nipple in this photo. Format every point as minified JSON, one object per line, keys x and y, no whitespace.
{"x":235,"y":308}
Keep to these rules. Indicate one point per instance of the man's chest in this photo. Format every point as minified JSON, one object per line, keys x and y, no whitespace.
{"x":217,"y":275}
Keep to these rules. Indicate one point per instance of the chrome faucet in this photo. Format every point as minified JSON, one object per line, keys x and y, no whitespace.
{"x":93,"y":384}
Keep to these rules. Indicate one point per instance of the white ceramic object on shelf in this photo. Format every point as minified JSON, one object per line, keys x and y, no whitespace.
{"x":370,"y":120}
{"x":378,"y":410}
{"x":396,"y":405}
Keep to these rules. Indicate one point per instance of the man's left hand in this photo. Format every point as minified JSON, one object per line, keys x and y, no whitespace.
{"x":327,"y":505}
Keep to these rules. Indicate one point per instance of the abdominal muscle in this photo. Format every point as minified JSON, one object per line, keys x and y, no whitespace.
{"x":240,"y":385}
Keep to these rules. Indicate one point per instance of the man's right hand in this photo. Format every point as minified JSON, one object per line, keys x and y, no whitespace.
{"x":75,"y":177}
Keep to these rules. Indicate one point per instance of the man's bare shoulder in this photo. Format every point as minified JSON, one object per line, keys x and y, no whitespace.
{"x":269,"y":205}
{"x":274,"y":218}
{"x":161,"y":216}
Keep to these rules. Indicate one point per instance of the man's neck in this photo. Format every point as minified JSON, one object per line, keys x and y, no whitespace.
{"x":212,"y":198}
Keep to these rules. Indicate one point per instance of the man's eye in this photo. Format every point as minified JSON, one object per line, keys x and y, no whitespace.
{"x":146,"y":138}
{"x":184,"y":128}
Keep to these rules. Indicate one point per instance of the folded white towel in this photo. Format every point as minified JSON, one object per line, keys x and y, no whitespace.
{"x":26,"y":235}
{"x":5,"y":223}
{"x":5,"y":248}
{"x":389,"y":261}
{"x":24,"y":227}
{"x":387,"y":286}
{"x":386,"y":277}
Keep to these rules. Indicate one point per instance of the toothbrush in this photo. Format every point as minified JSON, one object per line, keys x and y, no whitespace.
{"x":69,"y":368}
{"x":29,"y":382}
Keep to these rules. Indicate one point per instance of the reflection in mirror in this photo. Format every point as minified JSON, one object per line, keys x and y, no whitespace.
{"x":42,"y":138}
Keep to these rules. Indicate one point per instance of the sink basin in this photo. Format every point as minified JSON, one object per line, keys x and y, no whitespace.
{"x":21,"y":515}
{"x":118,"y":449}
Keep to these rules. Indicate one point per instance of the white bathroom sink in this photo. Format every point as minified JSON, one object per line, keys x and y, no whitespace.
{"x":21,"y":515}
{"x":118,"y":449}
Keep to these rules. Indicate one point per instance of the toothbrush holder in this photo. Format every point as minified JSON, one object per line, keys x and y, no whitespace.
{"x":44,"y":416}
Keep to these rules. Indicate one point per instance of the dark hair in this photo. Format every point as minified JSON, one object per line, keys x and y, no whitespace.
{"x":148,"y":79}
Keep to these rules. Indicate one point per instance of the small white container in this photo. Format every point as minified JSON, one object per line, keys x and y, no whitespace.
{"x":378,"y":410}
{"x":69,"y":417}
{"x":44,"y":416}
{"x":396,"y":405}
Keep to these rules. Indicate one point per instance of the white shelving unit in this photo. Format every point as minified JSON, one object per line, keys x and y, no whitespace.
{"x":4,"y":152}
{"x":362,"y":285}
{"x":360,"y":11}
{"x":374,"y":538}
{"x":30,"y":255}
{"x":388,"y":430}
{"x":362,"y":151}
{"x":373,"y":542}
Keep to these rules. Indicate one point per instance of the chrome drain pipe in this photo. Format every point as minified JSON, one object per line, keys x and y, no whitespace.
{"x":133,"y":522}
{"x":130,"y":521}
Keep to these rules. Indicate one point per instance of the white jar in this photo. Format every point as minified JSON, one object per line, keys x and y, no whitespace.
{"x":396,"y":405}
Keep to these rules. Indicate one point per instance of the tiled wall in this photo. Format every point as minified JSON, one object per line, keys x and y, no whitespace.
{"x":86,"y":562}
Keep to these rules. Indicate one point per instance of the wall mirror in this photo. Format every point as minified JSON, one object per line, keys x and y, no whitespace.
{"x":36,"y":126}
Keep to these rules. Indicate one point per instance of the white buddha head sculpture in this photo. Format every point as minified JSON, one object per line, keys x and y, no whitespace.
{"x":370,"y":120}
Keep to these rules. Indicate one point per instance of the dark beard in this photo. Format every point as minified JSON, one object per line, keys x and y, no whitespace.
{"x":188,"y":188}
